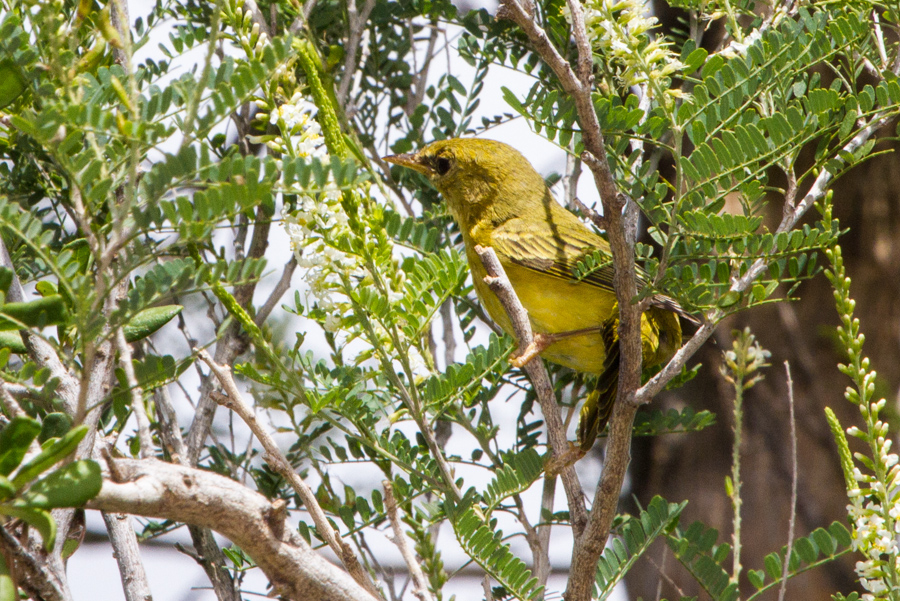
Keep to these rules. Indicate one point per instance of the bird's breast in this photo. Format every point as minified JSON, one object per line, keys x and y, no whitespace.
{"x":554,"y":305}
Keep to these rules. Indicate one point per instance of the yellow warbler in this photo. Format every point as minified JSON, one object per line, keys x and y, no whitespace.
{"x":500,"y":201}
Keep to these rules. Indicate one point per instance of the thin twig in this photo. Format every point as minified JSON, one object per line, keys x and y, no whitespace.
{"x":357,"y":23}
{"x":545,"y":524}
{"x":284,"y":283}
{"x":570,"y":179}
{"x":276,"y":459}
{"x":10,"y":405}
{"x":793,"y":517}
{"x":137,"y":395}
{"x":448,"y":323}
{"x":420,"y":583}
{"x":486,"y":587}
{"x":736,"y":481}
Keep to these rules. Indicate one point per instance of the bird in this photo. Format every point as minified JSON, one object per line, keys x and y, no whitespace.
{"x":499,"y":200}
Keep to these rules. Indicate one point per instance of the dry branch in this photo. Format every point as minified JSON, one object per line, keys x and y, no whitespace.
{"x":156,"y":489}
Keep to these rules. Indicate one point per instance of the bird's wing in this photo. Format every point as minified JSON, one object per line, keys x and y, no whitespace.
{"x":556,"y":248}
{"x":555,"y":251}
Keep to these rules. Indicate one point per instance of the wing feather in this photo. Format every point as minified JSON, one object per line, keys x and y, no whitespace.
{"x":548,"y":251}
{"x":556,"y":246}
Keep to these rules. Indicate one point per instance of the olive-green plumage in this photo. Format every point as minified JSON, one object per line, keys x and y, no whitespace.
{"x":499,"y":200}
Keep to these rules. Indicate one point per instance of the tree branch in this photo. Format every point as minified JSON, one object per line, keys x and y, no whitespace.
{"x":137,"y":395}
{"x":33,"y":573}
{"x":128,"y":557}
{"x":284,"y":283}
{"x":589,"y":545}
{"x":157,"y":489}
{"x":420,"y":583}
{"x":537,"y":372}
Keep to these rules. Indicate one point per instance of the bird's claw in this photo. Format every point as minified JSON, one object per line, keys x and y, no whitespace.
{"x":557,"y":463}
{"x":537,"y":346}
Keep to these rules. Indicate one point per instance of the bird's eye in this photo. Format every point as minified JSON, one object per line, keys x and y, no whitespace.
{"x":442,"y":165}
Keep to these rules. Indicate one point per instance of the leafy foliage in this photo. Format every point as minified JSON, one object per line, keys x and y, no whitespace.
{"x":484,"y":544}
{"x":635,"y":535}
{"x":697,"y":550}
{"x":143,"y":192}
{"x":656,"y":422}
{"x":22,"y":494}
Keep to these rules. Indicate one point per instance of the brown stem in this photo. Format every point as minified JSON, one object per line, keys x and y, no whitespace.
{"x":128,"y":557}
{"x":157,"y":489}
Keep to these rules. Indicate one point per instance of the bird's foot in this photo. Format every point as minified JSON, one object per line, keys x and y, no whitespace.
{"x":557,"y":463}
{"x":537,"y":346}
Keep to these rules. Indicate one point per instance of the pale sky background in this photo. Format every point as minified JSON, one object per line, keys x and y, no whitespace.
{"x":93,"y":573}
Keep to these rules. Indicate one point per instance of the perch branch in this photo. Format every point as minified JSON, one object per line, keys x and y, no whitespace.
{"x":537,"y":371}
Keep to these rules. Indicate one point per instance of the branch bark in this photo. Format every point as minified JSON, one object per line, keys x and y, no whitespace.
{"x":36,"y":575}
{"x":420,"y":583}
{"x":153,"y":488}
{"x":128,"y":557}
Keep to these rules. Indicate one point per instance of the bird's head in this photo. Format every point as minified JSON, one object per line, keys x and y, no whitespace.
{"x":476,"y":176}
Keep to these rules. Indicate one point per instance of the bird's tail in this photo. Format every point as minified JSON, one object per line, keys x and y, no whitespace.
{"x":598,"y":407}
{"x":670,"y":304}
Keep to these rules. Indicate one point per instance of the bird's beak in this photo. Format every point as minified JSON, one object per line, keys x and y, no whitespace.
{"x":409,"y":160}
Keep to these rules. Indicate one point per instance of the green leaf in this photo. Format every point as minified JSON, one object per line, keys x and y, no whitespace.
{"x":638,"y":533}
{"x":519,"y":473}
{"x":7,"y":490}
{"x":12,"y":82}
{"x":6,"y":278}
{"x":47,"y":311}
{"x":806,"y":550}
{"x":840,"y":534}
{"x":7,"y":586}
{"x":484,"y":544}
{"x":12,"y":340}
{"x":70,"y":486}
{"x":512,"y":101}
{"x":757,"y":578}
{"x":773,"y":565}
{"x":57,"y":450}
{"x":694,"y":60}
{"x":14,"y":441}
{"x":55,"y":425}
{"x":729,"y":298}
{"x":40,"y":519}
{"x":149,"y":320}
